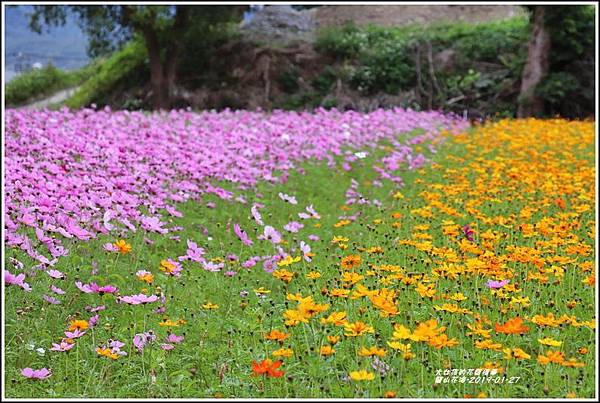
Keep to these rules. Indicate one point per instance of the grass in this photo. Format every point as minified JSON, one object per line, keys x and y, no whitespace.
{"x":491,"y":172}
{"x":38,"y":84}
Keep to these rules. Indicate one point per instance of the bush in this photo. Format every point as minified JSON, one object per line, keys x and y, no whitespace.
{"x":37,"y":84}
{"x":128,"y":65}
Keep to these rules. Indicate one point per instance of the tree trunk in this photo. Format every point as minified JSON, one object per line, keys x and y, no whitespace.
{"x":158,"y":82}
{"x":536,"y":66}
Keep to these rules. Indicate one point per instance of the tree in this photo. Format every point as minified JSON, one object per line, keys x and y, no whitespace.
{"x":537,"y":65}
{"x":560,"y":36}
{"x":161,"y":27}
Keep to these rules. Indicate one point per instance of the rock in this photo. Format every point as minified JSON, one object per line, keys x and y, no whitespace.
{"x":280,"y":24}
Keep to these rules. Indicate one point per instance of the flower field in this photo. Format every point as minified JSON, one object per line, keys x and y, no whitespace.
{"x":333,"y":254}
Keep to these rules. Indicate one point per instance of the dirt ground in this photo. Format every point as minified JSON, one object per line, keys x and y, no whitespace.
{"x":398,"y":15}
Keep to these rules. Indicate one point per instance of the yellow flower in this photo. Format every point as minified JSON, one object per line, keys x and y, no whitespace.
{"x":210,"y":305}
{"x":362,"y":375}
{"x":106,"y":352}
{"x":369,"y":352}
{"x":400,"y":332}
{"x":283,"y":352}
{"x":335,"y":318}
{"x":339,"y":292}
{"x":351,"y":277}
{"x":288,"y":261}
{"x":326,"y":350}
{"x":313,"y":275}
{"x":442,"y":340}
{"x":548,"y":341}
{"x":488,"y":344}
{"x":261,"y":291}
{"x":283,"y":275}
{"x":170,"y":323}
{"x":357,"y":328}
{"x":122,"y":246}
{"x":333,"y":339}
{"x":404,"y":348}
{"x":341,"y":223}
{"x":515,"y":353}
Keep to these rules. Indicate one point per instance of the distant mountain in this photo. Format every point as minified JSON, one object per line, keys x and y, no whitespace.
{"x":64,"y":47}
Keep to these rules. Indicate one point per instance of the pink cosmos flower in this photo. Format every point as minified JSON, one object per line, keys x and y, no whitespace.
{"x":50,"y":300}
{"x":62,"y":346}
{"x":167,"y":347}
{"x":293,"y":226}
{"x":496,"y":284}
{"x":241,"y":234}
{"x":110,"y":247}
{"x":468,"y":233}
{"x":251,"y":262}
{"x":271,"y":234}
{"x":17,"y":280}
{"x":56,"y":290}
{"x":313,"y":237}
{"x":230,"y":273}
{"x":141,"y":339}
{"x":137,"y":299}
{"x":95,"y":308}
{"x":55,"y":274}
{"x":255,"y":214}
{"x":305,"y":248}
{"x":173,"y":338}
{"x":42,"y":373}
{"x":287,"y":198}
{"x":74,"y":334}
{"x":93,"y":320}
{"x":211,"y":266}
{"x":95,"y":288}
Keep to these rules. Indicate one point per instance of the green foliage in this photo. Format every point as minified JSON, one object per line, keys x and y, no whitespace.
{"x":288,"y":80}
{"x":343,"y":43}
{"x":37,"y":84}
{"x":325,"y":81}
{"x":127,"y":65}
{"x":486,"y":69}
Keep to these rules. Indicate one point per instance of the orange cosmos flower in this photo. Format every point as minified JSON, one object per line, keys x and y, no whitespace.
{"x":78,"y":325}
{"x":276,"y":335}
{"x":267,"y":368}
{"x":122,"y":246}
{"x":351,"y":261}
{"x":512,"y":326}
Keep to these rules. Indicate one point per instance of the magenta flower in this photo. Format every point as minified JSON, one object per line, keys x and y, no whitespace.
{"x":468,"y":233}
{"x":229,"y":273}
{"x":137,"y":299}
{"x":313,"y":238}
{"x":305,"y":248}
{"x":95,"y":288}
{"x":496,"y":284}
{"x":241,"y":234}
{"x":167,"y":347}
{"x":17,"y":280}
{"x":42,"y":373}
